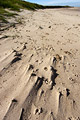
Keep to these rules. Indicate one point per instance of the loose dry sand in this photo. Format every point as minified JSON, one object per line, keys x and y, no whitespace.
{"x":40,"y":66}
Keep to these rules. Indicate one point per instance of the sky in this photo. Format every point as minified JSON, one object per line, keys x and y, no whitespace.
{"x":55,"y":2}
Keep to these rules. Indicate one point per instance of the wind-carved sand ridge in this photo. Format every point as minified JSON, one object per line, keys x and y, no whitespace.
{"x":39,"y":66}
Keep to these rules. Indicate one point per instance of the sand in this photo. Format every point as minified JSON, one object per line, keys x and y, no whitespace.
{"x":40,"y":66}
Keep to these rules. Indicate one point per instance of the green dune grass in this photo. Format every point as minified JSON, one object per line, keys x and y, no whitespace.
{"x":18,"y":4}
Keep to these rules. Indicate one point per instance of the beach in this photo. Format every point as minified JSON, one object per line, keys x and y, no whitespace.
{"x":40,"y":65}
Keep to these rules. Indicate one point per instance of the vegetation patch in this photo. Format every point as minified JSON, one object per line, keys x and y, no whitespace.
{"x":18,"y":4}
{"x":4,"y":14}
{"x":15,"y":5}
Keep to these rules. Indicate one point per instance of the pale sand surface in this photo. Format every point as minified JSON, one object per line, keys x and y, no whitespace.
{"x":40,"y":66}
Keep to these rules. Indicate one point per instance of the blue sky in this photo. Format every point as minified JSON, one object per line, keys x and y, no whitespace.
{"x":54,"y":2}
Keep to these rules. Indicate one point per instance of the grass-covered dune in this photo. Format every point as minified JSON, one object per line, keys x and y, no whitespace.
{"x":16,"y":5}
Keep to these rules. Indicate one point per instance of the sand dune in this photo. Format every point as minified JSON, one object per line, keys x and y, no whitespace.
{"x":40,"y":66}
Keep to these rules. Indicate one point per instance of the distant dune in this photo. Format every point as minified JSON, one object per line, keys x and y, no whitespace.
{"x":75,"y":4}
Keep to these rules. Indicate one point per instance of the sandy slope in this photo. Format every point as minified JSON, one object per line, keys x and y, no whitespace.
{"x":40,"y":67}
